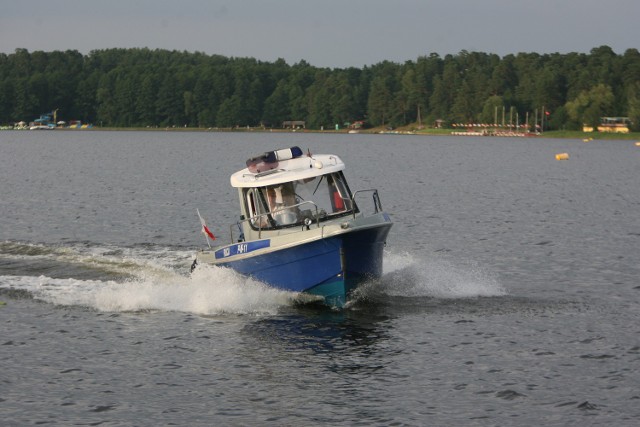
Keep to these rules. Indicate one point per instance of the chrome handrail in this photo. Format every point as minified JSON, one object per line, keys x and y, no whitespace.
{"x":257,"y":218}
{"x":377,"y":205}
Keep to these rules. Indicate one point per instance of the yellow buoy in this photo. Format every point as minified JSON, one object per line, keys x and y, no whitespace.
{"x":638,"y":144}
{"x":562,"y":156}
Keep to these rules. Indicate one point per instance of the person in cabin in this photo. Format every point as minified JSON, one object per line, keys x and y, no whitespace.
{"x":281,"y":197}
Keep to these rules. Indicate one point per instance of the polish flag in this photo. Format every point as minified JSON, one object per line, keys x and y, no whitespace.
{"x":205,"y":229}
{"x":208,"y":232}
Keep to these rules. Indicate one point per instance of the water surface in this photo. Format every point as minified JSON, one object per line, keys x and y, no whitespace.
{"x":510,"y":293}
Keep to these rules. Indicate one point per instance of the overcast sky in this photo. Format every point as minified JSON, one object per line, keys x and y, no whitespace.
{"x":327,"y":33}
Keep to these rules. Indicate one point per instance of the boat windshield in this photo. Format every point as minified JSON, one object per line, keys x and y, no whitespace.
{"x":291,"y":203}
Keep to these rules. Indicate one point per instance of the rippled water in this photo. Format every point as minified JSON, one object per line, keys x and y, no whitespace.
{"x":510,"y":293}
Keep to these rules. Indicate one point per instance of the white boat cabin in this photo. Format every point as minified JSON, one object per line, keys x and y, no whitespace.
{"x":292,"y":194}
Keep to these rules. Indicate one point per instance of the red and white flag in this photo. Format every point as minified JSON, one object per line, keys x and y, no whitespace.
{"x":205,"y":229}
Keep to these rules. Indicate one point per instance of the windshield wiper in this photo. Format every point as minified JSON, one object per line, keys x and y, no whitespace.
{"x":321,"y":178}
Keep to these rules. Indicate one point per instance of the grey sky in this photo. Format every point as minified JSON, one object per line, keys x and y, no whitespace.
{"x":327,"y":33}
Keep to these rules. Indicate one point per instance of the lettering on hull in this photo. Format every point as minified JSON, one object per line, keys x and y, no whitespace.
{"x":241,"y":248}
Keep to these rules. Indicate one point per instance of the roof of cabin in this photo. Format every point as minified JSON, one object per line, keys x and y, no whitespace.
{"x":289,"y":170}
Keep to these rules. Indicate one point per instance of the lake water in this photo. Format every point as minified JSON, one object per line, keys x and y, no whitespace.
{"x":510,"y":293}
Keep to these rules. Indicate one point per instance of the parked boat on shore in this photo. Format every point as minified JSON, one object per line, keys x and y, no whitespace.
{"x":44,"y":122}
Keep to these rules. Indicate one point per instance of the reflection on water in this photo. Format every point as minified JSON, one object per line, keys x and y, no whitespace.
{"x":321,"y":330}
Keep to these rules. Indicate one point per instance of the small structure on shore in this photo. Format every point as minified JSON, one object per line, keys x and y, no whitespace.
{"x":294,"y":124}
{"x":610,"y":125}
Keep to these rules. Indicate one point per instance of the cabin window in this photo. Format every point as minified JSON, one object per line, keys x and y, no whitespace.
{"x":329,"y":193}
{"x":257,"y":208}
{"x":341,"y":196}
{"x":290,"y":203}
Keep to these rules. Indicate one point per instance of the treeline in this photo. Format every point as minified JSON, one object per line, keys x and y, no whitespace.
{"x":143,"y":87}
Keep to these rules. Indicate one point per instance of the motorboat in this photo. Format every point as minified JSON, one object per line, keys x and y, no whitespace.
{"x":301,"y":228}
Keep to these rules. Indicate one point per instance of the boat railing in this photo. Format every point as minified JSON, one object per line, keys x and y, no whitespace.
{"x":257,"y":220}
{"x":375,"y":198}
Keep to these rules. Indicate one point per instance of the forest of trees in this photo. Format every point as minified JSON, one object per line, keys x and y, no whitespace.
{"x":144,"y":87}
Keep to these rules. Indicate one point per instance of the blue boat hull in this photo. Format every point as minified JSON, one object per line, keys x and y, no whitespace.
{"x":331,"y":267}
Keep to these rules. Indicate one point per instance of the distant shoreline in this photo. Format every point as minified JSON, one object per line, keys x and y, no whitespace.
{"x":558,"y":134}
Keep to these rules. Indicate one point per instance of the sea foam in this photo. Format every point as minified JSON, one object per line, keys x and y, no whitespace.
{"x":154,"y":283}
